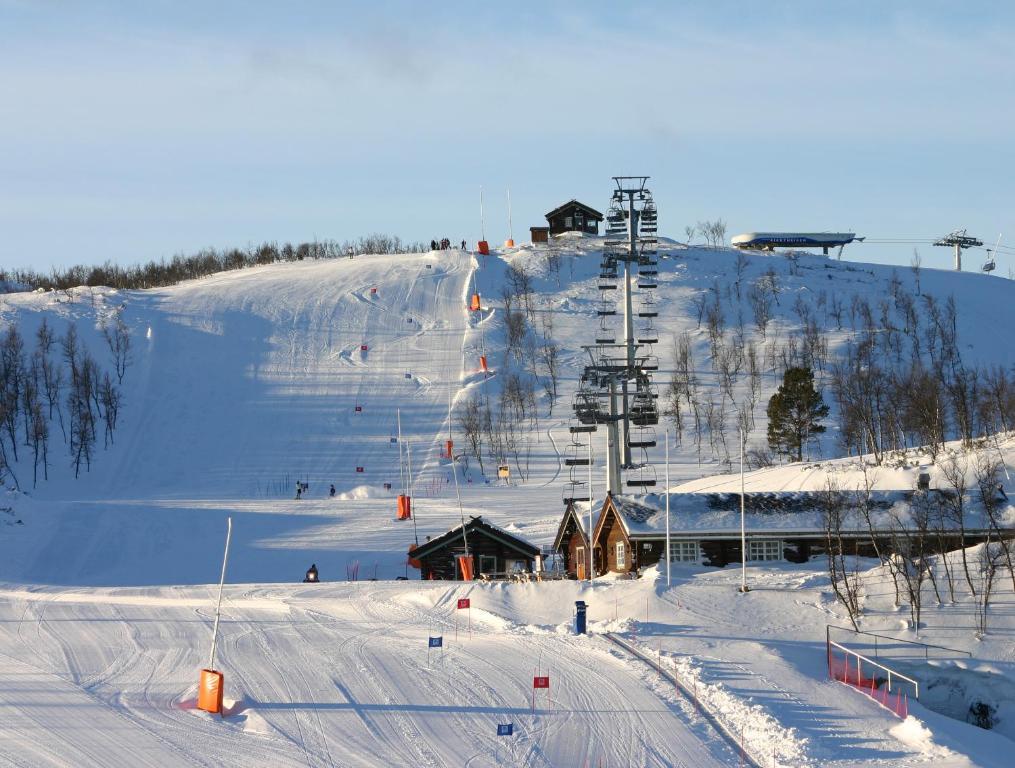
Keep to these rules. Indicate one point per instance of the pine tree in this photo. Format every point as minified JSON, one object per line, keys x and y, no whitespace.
{"x":794,"y":413}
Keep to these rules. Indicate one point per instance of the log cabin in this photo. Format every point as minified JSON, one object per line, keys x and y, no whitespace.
{"x":574,"y":216}
{"x":630,"y":533}
{"x":495,"y":552}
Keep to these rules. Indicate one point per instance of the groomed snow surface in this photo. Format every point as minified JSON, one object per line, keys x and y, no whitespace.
{"x":246,"y":381}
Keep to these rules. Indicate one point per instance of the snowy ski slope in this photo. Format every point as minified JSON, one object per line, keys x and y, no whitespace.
{"x":246,"y":381}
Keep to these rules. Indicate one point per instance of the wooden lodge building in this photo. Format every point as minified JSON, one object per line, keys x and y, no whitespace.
{"x":630,"y":534}
{"x":495,"y":552}
{"x":572,"y":216}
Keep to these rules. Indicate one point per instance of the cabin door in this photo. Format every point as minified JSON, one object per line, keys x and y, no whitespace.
{"x":580,"y":564}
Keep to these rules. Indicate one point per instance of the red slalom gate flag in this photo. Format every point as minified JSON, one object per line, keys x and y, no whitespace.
{"x":463,"y":602}
{"x":541,"y":682}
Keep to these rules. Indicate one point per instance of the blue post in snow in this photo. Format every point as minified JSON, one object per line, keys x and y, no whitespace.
{"x":579,"y":617}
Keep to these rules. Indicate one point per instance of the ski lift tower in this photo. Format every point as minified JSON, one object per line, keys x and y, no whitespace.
{"x":616,"y":388}
{"x":959,"y":240}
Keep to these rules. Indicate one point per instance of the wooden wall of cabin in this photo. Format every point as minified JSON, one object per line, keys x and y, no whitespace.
{"x":558,"y":223}
{"x":576,"y":540}
{"x":616,"y":534}
{"x":442,"y":563}
{"x":650,"y":552}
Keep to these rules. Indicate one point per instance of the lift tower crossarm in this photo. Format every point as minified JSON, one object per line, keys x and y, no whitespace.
{"x":959,"y":240}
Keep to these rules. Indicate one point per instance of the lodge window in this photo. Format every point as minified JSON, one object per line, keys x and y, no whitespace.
{"x":567,"y":221}
{"x":764,"y":549}
{"x":621,"y":555}
{"x":684,"y":552}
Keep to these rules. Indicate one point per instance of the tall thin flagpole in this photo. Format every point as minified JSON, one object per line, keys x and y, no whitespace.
{"x":511,"y":234}
{"x":218,"y":606}
{"x":668,"y":560}
{"x":591,"y":502}
{"x":408,"y":490}
{"x":482,"y":220}
{"x":743,"y":529}
{"x":401,"y":462}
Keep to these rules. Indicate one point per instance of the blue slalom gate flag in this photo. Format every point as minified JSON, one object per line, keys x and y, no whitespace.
{"x":505,"y":729}
{"x":436,"y":642}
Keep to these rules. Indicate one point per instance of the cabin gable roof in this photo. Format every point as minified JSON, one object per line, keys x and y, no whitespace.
{"x":570,"y":513}
{"x":477,"y":525}
{"x":574,"y":203}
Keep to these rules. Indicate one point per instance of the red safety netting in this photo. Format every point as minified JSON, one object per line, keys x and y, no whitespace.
{"x":851,"y":671}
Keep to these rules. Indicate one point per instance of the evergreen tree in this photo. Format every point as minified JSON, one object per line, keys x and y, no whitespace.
{"x":794,"y":413}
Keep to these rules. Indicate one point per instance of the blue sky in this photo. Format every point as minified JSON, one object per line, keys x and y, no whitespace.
{"x":138,"y":130}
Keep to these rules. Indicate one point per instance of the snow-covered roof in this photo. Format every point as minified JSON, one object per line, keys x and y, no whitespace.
{"x":474,"y":524}
{"x":579,"y":512}
{"x":796,"y":511}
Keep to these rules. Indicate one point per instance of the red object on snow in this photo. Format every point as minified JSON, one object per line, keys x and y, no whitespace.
{"x":463,"y":602}
{"x":541,"y":682}
{"x":363,"y":347}
{"x":373,"y":290}
{"x":359,"y":408}
{"x":359,"y":469}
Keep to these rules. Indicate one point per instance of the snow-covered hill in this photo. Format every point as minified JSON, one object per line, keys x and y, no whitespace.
{"x":245,"y":382}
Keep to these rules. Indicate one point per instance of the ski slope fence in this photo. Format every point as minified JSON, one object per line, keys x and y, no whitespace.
{"x":885,"y":646}
{"x":862,"y":673}
{"x":728,"y":735}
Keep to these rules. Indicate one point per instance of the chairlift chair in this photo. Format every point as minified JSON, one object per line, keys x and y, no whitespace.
{"x":642,"y":437}
{"x":576,"y":455}
{"x":574,"y":492}
{"x":642,"y":477}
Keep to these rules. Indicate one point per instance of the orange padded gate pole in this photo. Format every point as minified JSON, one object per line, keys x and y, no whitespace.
{"x":210,"y":691}
{"x":212,"y":683}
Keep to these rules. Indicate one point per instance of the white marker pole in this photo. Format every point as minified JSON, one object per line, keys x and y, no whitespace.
{"x":591,"y":502}
{"x":511,"y":230}
{"x":743,"y":529}
{"x":222,"y":581}
{"x":668,"y":561}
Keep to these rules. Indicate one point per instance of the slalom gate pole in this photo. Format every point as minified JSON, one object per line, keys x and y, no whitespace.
{"x":218,"y":606}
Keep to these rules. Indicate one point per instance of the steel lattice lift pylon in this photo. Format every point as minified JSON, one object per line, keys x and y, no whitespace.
{"x":616,"y":390}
